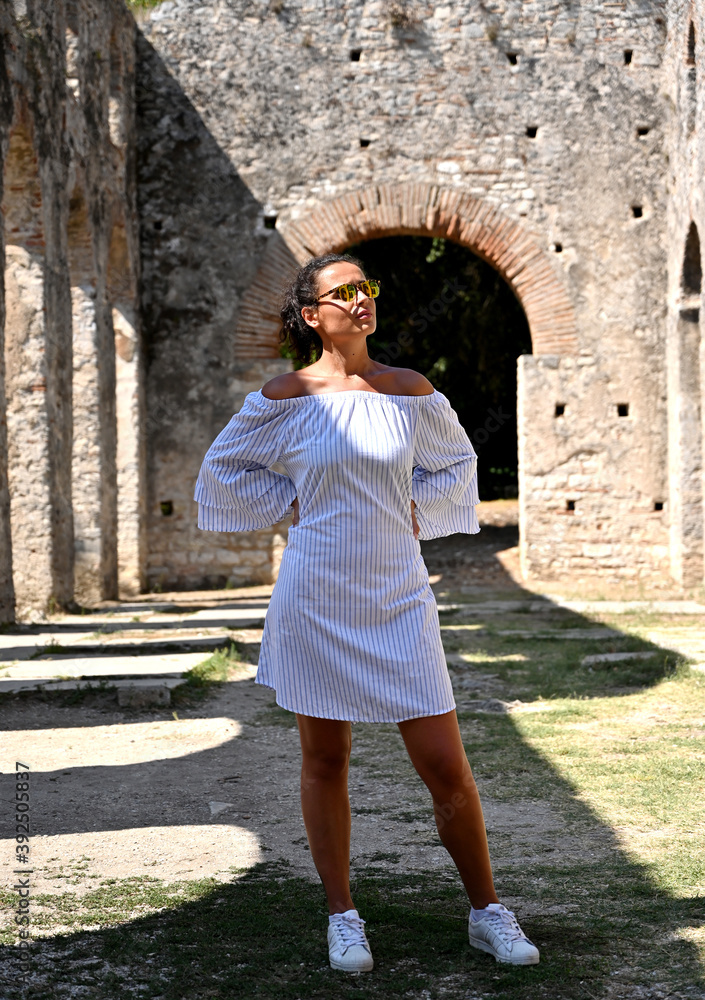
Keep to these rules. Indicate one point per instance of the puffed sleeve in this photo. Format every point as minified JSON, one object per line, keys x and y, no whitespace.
{"x":236,"y":490}
{"x":444,"y":483}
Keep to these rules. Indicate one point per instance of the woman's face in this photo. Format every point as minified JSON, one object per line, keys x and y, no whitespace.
{"x":334,"y":317}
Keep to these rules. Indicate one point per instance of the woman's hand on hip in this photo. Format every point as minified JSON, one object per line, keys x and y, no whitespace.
{"x":414,"y":522}
{"x":295,"y":505}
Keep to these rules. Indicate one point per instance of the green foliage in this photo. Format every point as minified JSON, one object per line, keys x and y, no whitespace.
{"x":448,"y":314}
{"x":199,"y":680}
{"x":142,"y":4}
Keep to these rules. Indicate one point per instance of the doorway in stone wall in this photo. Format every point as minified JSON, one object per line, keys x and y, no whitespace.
{"x":446,"y":313}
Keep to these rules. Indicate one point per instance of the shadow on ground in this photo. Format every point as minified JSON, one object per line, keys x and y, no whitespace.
{"x":604,"y":923}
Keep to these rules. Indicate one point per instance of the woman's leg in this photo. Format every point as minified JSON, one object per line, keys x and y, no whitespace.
{"x":436,"y":751}
{"x":325,"y":753}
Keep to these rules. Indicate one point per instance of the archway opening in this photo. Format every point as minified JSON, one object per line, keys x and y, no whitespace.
{"x":447,"y":314}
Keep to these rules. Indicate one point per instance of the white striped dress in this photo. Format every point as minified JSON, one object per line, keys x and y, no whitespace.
{"x":352,"y":628}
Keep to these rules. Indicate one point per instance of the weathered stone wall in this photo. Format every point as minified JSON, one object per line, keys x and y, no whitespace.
{"x":7,"y":589}
{"x":550,"y":117}
{"x":684,"y":82}
{"x":67,"y":143}
{"x":560,"y":142}
{"x":27,"y":423}
{"x":588,"y":492}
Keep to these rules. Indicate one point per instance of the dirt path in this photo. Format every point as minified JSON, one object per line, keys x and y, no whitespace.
{"x":213,"y":787}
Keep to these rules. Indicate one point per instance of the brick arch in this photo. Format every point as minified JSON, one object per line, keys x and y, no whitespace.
{"x":410,"y":210}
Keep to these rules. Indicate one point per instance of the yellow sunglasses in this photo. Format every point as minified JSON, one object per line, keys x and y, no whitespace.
{"x":347,"y":292}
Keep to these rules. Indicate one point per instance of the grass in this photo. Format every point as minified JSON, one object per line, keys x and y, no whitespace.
{"x":274,"y":715}
{"x":205,"y":939}
{"x":144,"y":5}
{"x":599,"y":775}
{"x":48,"y":647}
{"x":216,"y":669}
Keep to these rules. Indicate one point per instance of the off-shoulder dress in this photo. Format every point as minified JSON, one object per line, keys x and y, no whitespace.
{"x":352,"y":628}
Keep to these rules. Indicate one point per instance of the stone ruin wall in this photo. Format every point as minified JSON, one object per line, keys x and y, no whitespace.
{"x":684,"y":85}
{"x":71,"y":448}
{"x":252,"y":115}
{"x":559,"y":142}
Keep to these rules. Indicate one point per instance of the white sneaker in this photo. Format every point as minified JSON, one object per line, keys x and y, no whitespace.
{"x":498,"y":933}
{"x":348,"y":947}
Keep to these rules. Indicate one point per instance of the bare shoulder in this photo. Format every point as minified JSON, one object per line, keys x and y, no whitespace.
{"x":284,"y":386}
{"x":411,"y":383}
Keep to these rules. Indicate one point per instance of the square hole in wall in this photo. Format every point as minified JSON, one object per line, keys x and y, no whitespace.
{"x":270,"y":222}
{"x":622,"y":409}
{"x":642,"y":131}
{"x":531,"y":131}
{"x":158,"y":225}
{"x":637,"y":211}
{"x":355,"y":55}
{"x":560,"y":409}
{"x":512,"y":57}
{"x":558,"y":248}
{"x":364,"y":143}
{"x":167,"y":508}
{"x":570,"y":505}
{"x":658,"y":504}
{"x":690,"y":315}
{"x":628,"y":53}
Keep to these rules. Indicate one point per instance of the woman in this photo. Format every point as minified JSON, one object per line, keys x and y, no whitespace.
{"x":352,"y":633}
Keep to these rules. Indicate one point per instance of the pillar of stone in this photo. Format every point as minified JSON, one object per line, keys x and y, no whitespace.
{"x":28,"y":430}
{"x":87,"y":485}
{"x":685,"y":446}
{"x":95,"y":434}
{"x":7,"y":592}
{"x":94,"y":446}
{"x":48,"y":105}
{"x":94,"y":430}
{"x":105,"y":352}
{"x":702,"y":449}
{"x":130,"y":452}
{"x":122,"y":292}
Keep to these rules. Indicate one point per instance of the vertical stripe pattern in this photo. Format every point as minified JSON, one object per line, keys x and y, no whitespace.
{"x":352,"y":628}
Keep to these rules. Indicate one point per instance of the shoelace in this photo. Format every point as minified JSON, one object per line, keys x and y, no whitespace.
{"x":351,"y":930}
{"x":504,"y":923}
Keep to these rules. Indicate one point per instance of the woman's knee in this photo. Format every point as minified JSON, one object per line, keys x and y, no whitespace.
{"x":325,"y":763}
{"x":436,"y":750}
{"x":325,"y":747}
{"x":448,"y":770}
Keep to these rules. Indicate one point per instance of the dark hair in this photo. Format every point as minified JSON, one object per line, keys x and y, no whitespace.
{"x":295,"y":332}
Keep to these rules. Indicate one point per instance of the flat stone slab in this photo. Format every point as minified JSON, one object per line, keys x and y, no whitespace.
{"x":627,"y":607}
{"x":549,"y":604}
{"x":210,"y":618}
{"x":24,"y":646}
{"x":498,"y":607}
{"x":91,"y":683}
{"x":564,"y":633}
{"x":117,"y":646}
{"x":690,"y":643}
{"x":28,"y":647}
{"x":60,"y":668}
{"x":617,"y":657}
